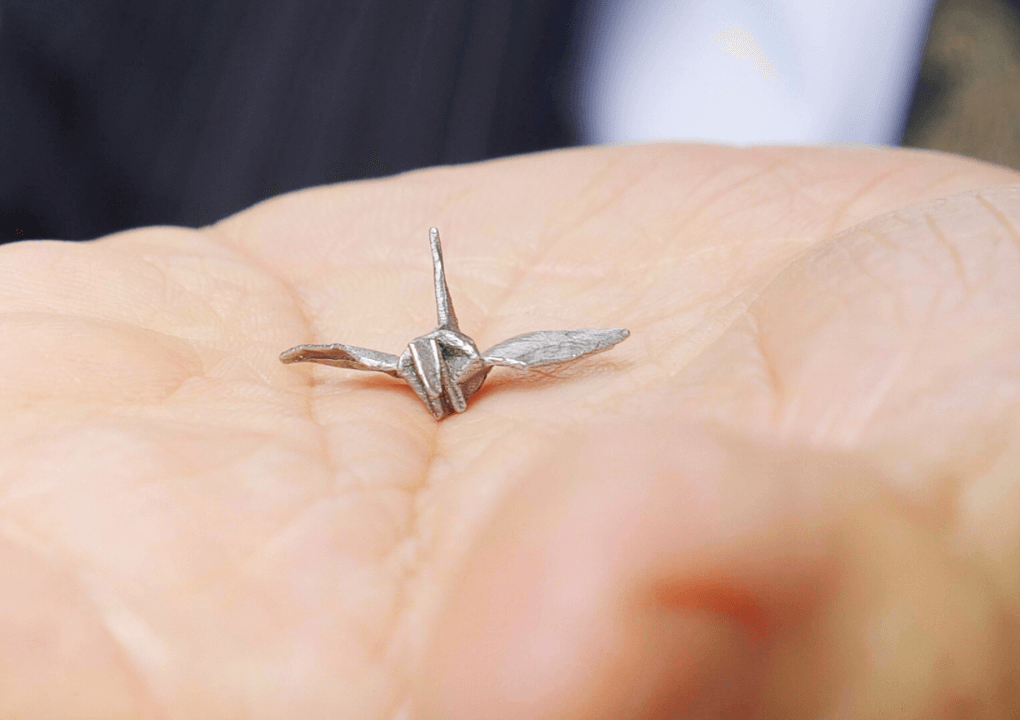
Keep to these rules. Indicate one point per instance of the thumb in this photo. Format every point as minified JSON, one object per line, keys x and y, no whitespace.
{"x":641,"y":574}
{"x":660,"y":572}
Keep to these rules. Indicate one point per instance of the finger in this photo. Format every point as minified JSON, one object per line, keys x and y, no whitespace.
{"x":619,"y":582}
{"x":720,"y":579}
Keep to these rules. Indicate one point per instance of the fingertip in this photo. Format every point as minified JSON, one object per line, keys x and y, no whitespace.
{"x":626,"y":666}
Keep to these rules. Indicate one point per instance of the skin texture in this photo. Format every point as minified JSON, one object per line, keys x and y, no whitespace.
{"x":792,"y":492}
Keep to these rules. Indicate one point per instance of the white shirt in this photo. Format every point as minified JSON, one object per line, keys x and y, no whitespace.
{"x":749,"y":71}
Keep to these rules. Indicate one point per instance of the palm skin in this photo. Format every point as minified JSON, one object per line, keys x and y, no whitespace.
{"x":793,"y":492}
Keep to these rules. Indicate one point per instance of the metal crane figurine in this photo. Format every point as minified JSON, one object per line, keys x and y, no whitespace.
{"x":444,"y":367}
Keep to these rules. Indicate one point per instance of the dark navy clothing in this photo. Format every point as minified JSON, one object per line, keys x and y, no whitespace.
{"x":120,"y":113}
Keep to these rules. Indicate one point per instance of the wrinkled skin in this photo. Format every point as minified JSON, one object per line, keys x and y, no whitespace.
{"x":794,"y":492}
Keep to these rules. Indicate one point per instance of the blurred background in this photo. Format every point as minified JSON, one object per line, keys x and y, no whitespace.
{"x":119,"y":113}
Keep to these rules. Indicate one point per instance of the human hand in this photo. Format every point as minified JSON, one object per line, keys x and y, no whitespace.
{"x":793,"y":491}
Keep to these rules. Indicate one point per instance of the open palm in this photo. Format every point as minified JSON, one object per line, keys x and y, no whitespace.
{"x":807,"y":453}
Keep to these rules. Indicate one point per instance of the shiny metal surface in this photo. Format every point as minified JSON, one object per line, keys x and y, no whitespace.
{"x":445,"y":367}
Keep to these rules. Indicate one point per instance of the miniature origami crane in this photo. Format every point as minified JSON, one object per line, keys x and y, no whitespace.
{"x":444,"y":367}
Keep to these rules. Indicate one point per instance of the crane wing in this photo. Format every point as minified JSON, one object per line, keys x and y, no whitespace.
{"x":551,"y":347}
{"x":343,"y":356}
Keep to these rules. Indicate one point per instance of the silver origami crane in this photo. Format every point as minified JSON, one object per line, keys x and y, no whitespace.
{"x":445,"y":367}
